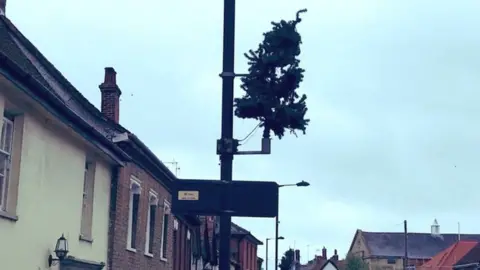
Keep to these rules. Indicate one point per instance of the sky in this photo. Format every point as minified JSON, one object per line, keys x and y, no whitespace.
{"x":392,"y":92}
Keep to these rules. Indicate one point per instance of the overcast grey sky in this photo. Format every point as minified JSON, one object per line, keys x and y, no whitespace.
{"x":392,"y":90}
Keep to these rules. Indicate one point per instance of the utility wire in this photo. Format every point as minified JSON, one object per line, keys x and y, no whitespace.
{"x":249,"y":135}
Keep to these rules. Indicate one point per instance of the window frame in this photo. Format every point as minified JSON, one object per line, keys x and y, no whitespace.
{"x":4,"y":190}
{"x":149,"y":234}
{"x":88,"y":201}
{"x":165,"y":221}
{"x":135,"y":189}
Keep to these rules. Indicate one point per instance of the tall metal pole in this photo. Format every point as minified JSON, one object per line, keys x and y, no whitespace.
{"x":276,"y":242}
{"x":266,"y":254}
{"x":226,"y":158}
{"x":405,"y":232}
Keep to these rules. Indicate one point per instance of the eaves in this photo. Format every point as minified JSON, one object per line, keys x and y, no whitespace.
{"x":38,"y":92}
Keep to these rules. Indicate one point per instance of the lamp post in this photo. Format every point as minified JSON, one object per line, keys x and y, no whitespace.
{"x":299,"y":184}
{"x":266,"y":249}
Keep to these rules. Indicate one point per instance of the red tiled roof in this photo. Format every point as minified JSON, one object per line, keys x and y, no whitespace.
{"x":450,"y":256}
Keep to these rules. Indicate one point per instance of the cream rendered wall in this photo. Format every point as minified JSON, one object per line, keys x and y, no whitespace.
{"x":50,"y":200}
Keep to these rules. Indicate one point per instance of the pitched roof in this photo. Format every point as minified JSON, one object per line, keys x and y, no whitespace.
{"x":237,"y":230}
{"x":473,"y":256}
{"x":450,"y":256}
{"x":420,"y":245}
{"x":23,"y":62}
{"x":329,"y":261}
{"x":15,"y":47}
{"x":319,"y":263}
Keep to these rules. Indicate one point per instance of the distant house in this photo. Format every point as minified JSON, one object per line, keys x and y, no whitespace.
{"x":244,"y":248}
{"x":328,"y":265}
{"x":321,"y":262}
{"x":461,"y":255}
{"x":385,"y":250}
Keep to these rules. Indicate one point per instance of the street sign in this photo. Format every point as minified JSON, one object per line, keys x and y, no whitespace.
{"x":206,"y":197}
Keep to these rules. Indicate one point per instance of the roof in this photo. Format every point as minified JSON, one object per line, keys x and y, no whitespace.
{"x":22,"y":63}
{"x":319,"y":263}
{"x":18,"y":50}
{"x":327,"y":262}
{"x":420,"y":245}
{"x":450,"y":256}
{"x":473,"y":256}
{"x":237,"y":230}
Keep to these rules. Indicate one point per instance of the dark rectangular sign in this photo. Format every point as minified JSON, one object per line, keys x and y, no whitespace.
{"x":206,"y":197}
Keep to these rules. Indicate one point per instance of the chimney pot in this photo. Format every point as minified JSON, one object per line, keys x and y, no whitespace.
{"x":324,"y":253}
{"x":110,"y":76}
{"x":335,"y":256}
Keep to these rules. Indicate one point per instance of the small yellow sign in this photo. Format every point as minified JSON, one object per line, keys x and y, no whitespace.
{"x":188,"y":195}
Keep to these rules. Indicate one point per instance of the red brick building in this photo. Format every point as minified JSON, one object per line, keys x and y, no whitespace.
{"x":143,"y":232}
{"x":243,"y":245}
{"x":244,"y":248}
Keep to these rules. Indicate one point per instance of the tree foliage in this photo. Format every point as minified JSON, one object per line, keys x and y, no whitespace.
{"x":287,"y":260}
{"x":274,"y":76}
{"x":355,"y":263}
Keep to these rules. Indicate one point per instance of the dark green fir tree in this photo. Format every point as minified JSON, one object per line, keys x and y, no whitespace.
{"x":274,"y":75}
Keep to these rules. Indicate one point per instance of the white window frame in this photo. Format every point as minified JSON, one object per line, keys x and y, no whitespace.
{"x":166,"y":211}
{"x":152,"y":201}
{"x":135,"y":188}
{"x":8,"y":166}
{"x":88,"y":186}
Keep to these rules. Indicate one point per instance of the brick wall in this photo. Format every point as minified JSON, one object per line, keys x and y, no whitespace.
{"x":120,"y":257}
{"x":247,"y":253}
{"x":182,"y":249}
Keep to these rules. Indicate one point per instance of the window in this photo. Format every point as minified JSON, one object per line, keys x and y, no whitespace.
{"x":87,"y":203}
{"x":6,"y":143}
{"x":166,"y":214}
{"x":151,"y":217}
{"x":391,"y":260}
{"x":135,"y":191}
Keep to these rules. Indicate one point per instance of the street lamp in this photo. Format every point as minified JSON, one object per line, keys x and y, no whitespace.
{"x":61,"y":250}
{"x":266,"y":249}
{"x":299,"y":184}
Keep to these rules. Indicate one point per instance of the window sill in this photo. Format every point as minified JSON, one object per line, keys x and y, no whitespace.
{"x":131,"y":250}
{"x":163,"y":259}
{"x":85,"y":239}
{"x":150,"y":255}
{"x":8,"y":216}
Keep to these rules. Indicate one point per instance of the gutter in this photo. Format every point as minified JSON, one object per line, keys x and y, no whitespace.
{"x":159,"y":164}
{"x":467,"y":265}
{"x":71,"y":118}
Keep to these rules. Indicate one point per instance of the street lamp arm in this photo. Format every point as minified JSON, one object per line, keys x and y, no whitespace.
{"x":287,"y":185}
{"x":299,"y":184}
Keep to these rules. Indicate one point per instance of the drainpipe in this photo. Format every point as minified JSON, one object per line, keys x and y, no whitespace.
{"x":112,"y":213}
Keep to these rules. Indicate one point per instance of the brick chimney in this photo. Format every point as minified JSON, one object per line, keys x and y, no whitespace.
{"x":324,"y":253}
{"x":110,"y":94}
{"x":335,"y":256}
{"x":3,"y":5}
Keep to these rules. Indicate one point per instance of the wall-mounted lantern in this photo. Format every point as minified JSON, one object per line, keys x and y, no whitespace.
{"x":61,"y":250}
